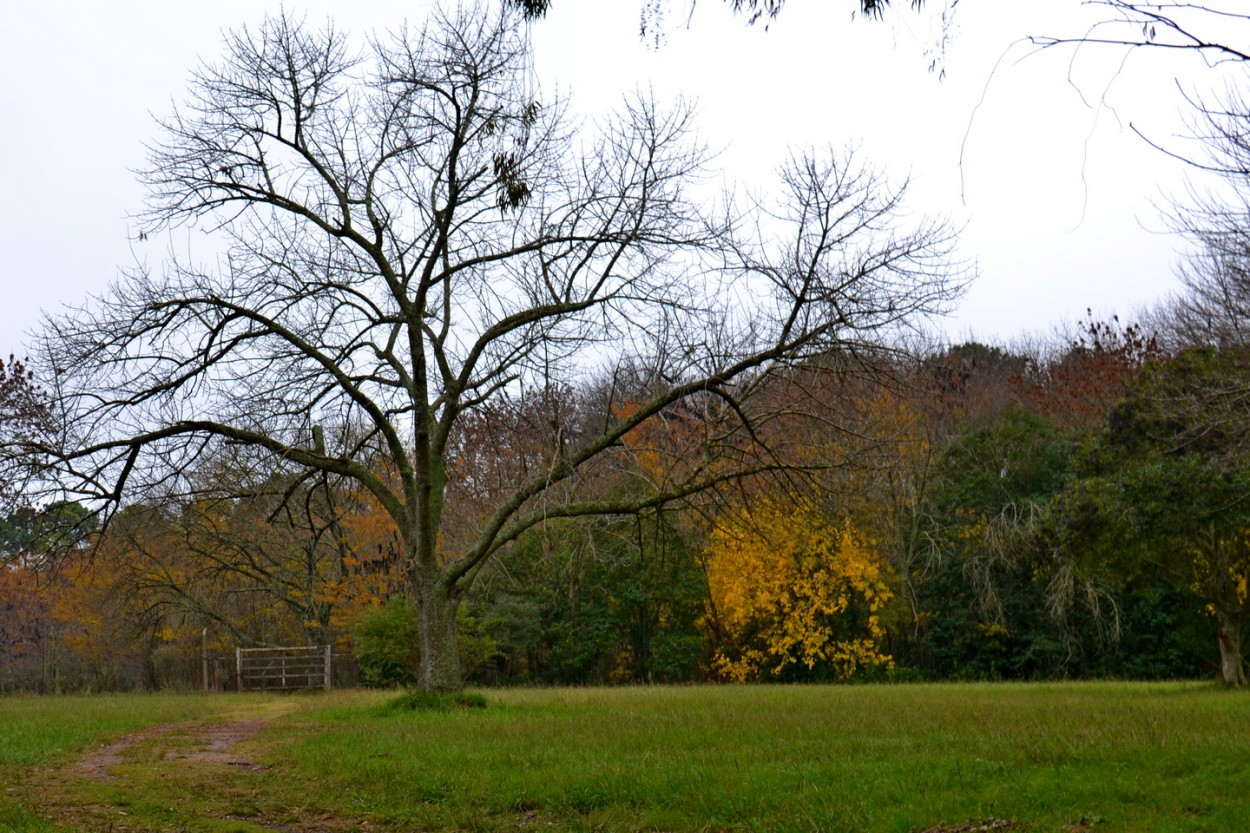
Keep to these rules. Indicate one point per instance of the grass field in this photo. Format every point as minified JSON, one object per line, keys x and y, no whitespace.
{"x":1091,"y":756}
{"x":37,"y":732}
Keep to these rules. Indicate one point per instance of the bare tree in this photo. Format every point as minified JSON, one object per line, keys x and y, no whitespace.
{"x":1214,"y":30}
{"x":1213,"y":307}
{"x":411,"y":237}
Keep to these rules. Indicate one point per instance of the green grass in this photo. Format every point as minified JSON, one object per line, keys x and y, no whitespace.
{"x":37,"y":732}
{"x":1091,"y":756}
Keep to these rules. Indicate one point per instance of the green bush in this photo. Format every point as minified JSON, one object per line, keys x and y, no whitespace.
{"x":478,"y":646}
{"x":387,"y":648}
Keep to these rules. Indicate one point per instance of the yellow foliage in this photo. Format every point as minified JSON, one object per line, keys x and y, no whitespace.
{"x":789,"y":586}
{"x":1221,"y":571}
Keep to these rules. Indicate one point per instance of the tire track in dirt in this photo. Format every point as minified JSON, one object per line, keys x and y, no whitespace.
{"x":189,"y":743}
{"x":209,"y":742}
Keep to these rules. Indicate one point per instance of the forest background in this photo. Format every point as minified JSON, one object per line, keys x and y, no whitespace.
{"x":978,"y":513}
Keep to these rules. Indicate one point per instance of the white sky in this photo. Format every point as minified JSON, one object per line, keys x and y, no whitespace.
{"x":1055,"y":195}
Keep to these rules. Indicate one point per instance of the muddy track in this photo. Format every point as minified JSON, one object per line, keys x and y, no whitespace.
{"x":212,"y":742}
{"x":178,"y":744}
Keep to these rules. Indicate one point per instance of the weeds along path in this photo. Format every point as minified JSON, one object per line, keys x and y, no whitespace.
{"x":182,"y":776}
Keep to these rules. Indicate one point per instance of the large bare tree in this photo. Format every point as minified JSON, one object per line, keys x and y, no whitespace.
{"x":410,"y":235}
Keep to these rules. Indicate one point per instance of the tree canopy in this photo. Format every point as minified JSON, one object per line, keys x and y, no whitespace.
{"x":412,"y":241}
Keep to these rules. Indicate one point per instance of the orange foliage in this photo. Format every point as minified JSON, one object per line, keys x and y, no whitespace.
{"x":250,"y":573}
{"x":371,"y":572}
{"x":1077,"y":390}
{"x":669,"y":447}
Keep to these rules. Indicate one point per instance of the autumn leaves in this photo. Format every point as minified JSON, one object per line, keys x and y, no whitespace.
{"x":789,"y":586}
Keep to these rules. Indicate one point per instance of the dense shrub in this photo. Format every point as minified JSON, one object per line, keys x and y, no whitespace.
{"x":387,"y":648}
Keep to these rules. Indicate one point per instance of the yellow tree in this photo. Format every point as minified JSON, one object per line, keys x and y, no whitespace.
{"x":790,"y":586}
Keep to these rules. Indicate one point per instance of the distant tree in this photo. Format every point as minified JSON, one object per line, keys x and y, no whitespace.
{"x":596,"y":601}
{"x":1076,"y":388}
{"x":268,"y":568}
{"x":35,"y":537}
{"x":1166,"y":493}
{"x":412,"y":237}
{"x":993,"y":485}
{"x":25,"y":628}
{"x":24,"y":416}
{"x":967,"y":385}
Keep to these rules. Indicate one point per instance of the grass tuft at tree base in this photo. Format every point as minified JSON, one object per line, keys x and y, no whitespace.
{"x":440,"y":701}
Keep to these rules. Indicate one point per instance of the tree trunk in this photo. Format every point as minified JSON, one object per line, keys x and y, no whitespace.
{"x":439,"y":635}
{"x":1232,"y":665}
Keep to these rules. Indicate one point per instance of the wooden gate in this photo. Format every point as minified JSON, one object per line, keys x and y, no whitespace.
{"x":283,"y":669}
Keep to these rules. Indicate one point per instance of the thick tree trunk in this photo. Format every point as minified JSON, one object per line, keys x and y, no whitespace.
{"x":439,"y":635}
{"x":1232,"y":665}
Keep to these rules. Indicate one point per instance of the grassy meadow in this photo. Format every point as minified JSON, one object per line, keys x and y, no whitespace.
{"x":1055,"y":757}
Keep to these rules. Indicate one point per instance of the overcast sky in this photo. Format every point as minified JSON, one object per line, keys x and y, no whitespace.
{"x":1031,"y":152}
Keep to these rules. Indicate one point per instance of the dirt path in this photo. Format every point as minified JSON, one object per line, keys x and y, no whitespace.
{"x":212,"y":742}
{"x":187,"y":767}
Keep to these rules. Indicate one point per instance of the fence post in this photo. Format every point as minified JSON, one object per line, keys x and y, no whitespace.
{"x":328,"y":668}
{"x":238,"y":661}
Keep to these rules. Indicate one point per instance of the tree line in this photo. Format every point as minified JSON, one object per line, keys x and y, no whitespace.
{"x":972,"y":512}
